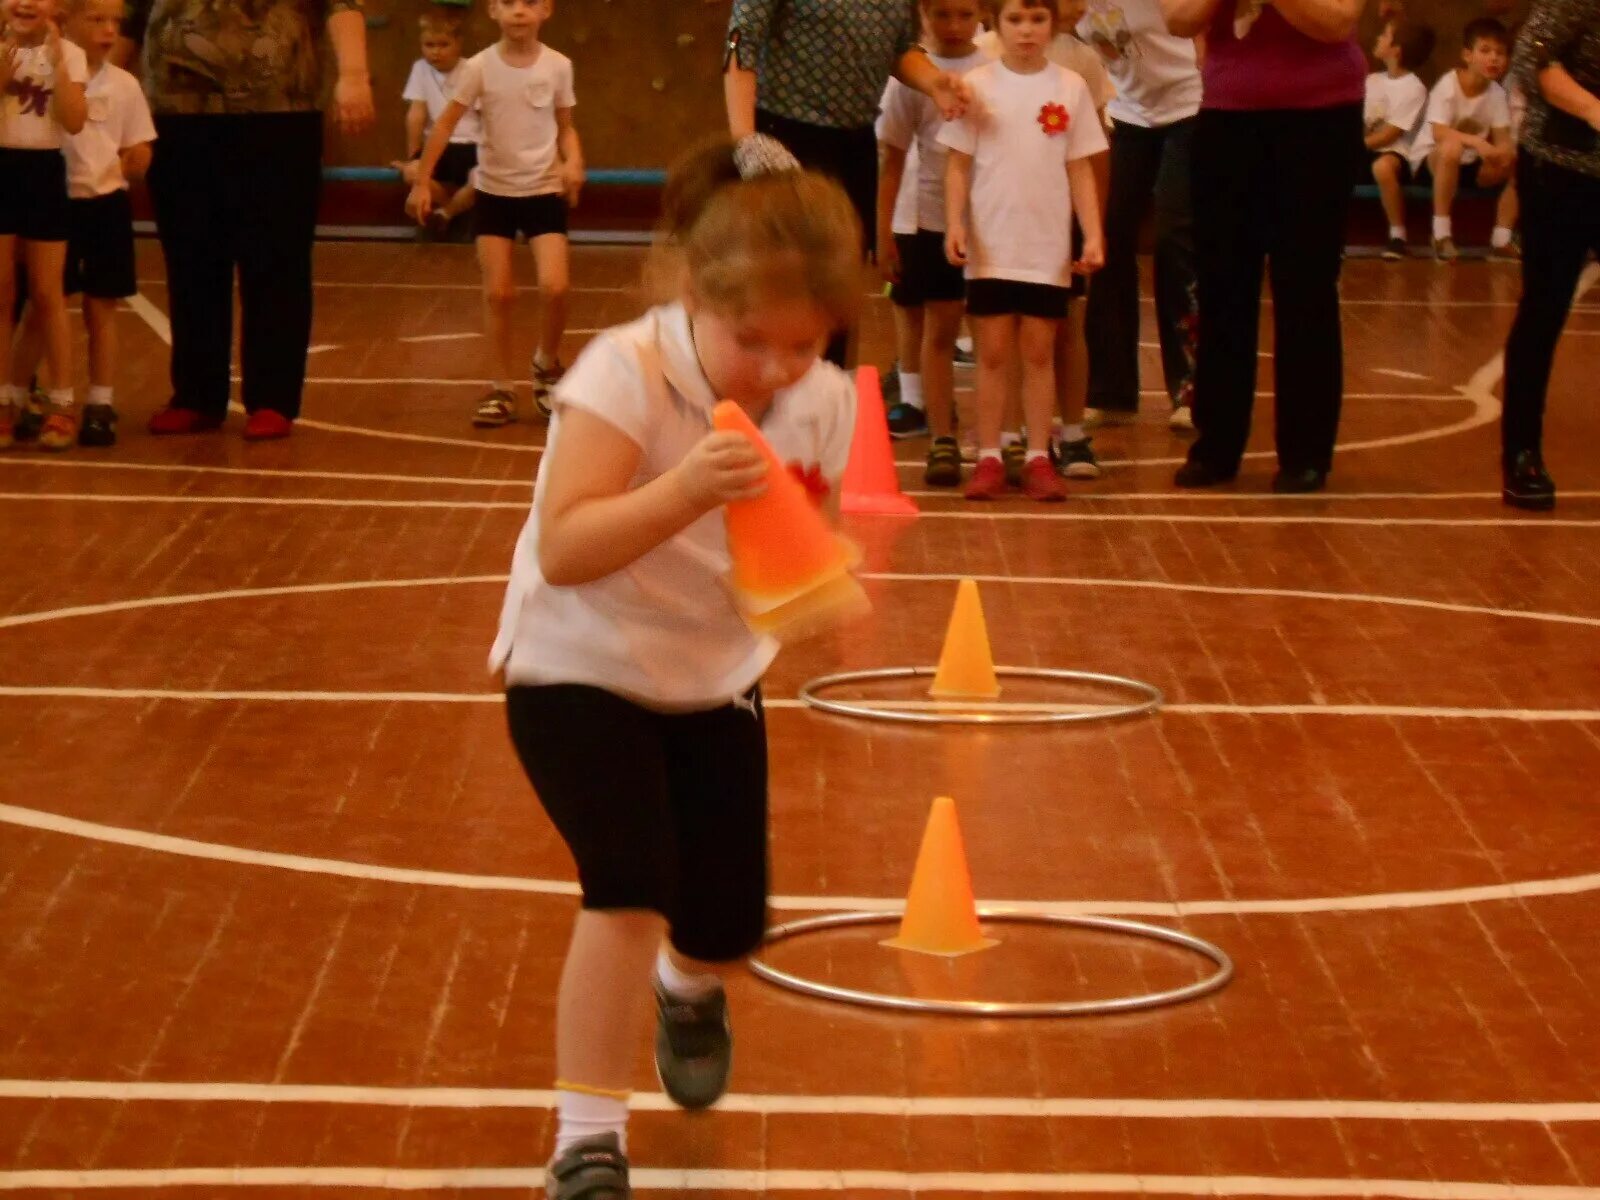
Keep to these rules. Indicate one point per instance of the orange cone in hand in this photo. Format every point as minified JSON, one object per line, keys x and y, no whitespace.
{"x":941,"y":916}
{"x":791,"y":572}
{"x":871,"y":484}
{"x":966,"y":668}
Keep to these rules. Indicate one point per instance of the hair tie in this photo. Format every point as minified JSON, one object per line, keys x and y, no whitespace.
{"x":758,"y":154}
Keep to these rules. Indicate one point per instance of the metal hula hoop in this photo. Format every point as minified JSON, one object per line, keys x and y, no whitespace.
{"x":1149,"y":699}
{"x":1214,"y":982}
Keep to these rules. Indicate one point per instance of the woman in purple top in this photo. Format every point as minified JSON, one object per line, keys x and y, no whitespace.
{"x":1277,"y":147}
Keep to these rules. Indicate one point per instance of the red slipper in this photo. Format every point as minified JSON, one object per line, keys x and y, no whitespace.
{"x":266,"y":424}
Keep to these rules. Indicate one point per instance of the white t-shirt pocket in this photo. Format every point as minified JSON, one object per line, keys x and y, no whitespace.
{"x":539,"y":93}
{"x":99,"y":108}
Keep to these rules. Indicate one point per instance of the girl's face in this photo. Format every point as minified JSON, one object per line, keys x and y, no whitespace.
{"x":96,"y":27}
{"x":26,"y":20}
{"x":440,"y":49}
{"x":1025,"y":31}
{"x":749,"y":356}
{"x":950,"y":24}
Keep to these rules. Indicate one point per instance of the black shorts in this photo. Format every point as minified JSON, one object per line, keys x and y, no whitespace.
{"x":849,"y":155}
{"x":33,"y":202}
{"x":1010,"y":297}
{"x":926,"y":275}
{"x":100,"y":247}
{"x":665,"y":812}
{"x":1406,"y":173}
{"x":456,"y":163}
{"x":507,"y":216}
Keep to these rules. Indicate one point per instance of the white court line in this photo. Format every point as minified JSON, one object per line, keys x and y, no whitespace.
{"x":846,"y":1181}
{"x":931,"y":514}
{"x":1397,"y":374}
{"x":436,"y":287}
{"x":297,"y":473}
{"x":151,"y":316}
{"x":440,"y":337}
{"x":1018,"y":1107}
{"x":323,"y":348}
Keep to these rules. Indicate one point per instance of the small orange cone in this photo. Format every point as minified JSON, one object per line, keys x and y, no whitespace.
{"x":871,"y":484}
{"x":966,"y":667}
{"x":941,"y":916}
{"x":791,"y":572}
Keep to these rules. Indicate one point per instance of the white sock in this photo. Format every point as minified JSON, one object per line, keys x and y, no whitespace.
{"x":1442,"y":228}
{"x":580,"y":1115}
{"x":684,"y":987}
{"x":988,"y":452}
{"x":911,"y":389}
{"x":1033,"y":454}
{"x":99,"y":394}
{"x":1501,"y":237}
{"x":1397,"y":233}
{"x":1073,"y":433}
{"x":1010,"y":439}
{"x":62,"y":398}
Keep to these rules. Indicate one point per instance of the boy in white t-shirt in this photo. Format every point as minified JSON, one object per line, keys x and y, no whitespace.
{"x":112,"y":148}
{"x":41,"y":103}
{"x":428,"y":89}
{"x":530,"y":170}
{"x":1396,"y":100}
{"x":1466,"y":138}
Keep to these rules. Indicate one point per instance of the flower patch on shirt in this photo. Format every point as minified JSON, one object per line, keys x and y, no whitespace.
{"x":1053,"y":119}
{"x":812,"y":480}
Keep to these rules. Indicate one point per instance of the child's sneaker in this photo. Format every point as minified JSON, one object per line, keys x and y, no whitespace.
{"x":59,"y":432}
{"x":907,"y":421}
{"x":594,"y":1169}
{"x":544,"y":379}
{"x":944,"y":463}
{"x":1182,"y":419}
{"x":1076,"y":460}
{"x":988,"y":481}
{"x":498,"y":408}
{"x":1510,"y":252}
{"x":1013,"y":455}
{"x":1444,"y":249}
{"x":1040,"y":481}
{"x":694,"y":1047}
{"x":1395,"y":250}
{"x":99,"y":426}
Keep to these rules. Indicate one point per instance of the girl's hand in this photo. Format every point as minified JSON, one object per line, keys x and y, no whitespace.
{"x":52,"y":43}
{"x":352,"y":103}
{"x":420,"y":201}
{"x":1093,"y":256}
{"x":955,"y":245}
{"x":951,"y":95}
{"x":723,"y":466}
{"x":888,"y":256}
{"x":572,"y":184}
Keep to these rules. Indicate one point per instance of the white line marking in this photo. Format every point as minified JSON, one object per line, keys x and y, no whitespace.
{"x":258,"y":473}
{"x":1024,"y":1108}
{"x":440,"y":337}
{"x":1397,"y":374}
{"x":152,"y":316}
{"x":436,"y":287}
{"x":322,"y":348}
{"x":702,"y":1180}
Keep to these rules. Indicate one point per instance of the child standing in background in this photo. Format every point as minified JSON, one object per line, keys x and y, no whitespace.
{"x":530,"y":171}
{"x":1392,"y":117}
{"x":429,"y":88}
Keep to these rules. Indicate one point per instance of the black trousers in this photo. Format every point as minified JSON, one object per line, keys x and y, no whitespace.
{"x":1274,"y":187}
{"x":851,"y":157}
{"x":238,"y":192}
{"x":1560,"y":229}
{"x":1145,"y":163}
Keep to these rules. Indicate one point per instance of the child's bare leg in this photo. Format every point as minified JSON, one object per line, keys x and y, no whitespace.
{"x":459,"y":201}
{"x":1446,"y":164}
{"x":553,"y":261}
{"x":941,"y":325}
{"x":908,"y":334}
{"x":47,"y":262}
{"x":499,"y":297}
{"x":27,"y":349}
{"x":601,"y":1009}
{"x":1072,"y":365}
{"x":1507,"y":209}
{"x":100,"y":317}
{"x":1386,"y":173}
{"x":1036,"y":345}
{"x":996,"y":342}
{"x":8,"y":300}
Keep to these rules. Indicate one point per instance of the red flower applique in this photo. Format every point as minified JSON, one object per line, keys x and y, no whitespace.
{"x":811,"y":479}
{"x":1053,"y":119}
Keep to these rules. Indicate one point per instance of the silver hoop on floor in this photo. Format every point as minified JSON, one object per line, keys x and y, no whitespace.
{"x":972,"y":712}
{"x":1214,"y":982}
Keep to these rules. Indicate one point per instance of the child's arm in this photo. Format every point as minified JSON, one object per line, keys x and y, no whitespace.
{"x":135,"y":160}
{"x":571,"y":155}
{"x":67,"y":106}
{"x":1188,"y":18}
{"x":1086,"y":206}
{"x":957,"y":187}
{"x":416,"y":127}
{"x":592,"y":524}
{"x":438,"y":140}
{"x":1384,"y":135}
{"x":891,"y":171}
{"x":352,"y":90}
{"x":1324,"y":20}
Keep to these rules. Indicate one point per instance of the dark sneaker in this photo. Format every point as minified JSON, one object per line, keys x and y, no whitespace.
{"x":594,"y":1169}
{"x":498,"y":408}
{"x":988,"y":481}
{"x":1197,"y":473}
{"x":1527,"y":484}
{"x":1076,"y":460}
{"x":545,"y":379}
{"x":1014,"y":456}
{"x":944,"y":463}
{"x":1299,"y":481}
{"x":964,"y":358}
{"x":1444,"y":249}
{"x":1395,"y":250}
{"x":1510,"y":252}
{"x":1040,"y":481}
{"x":30,"y":417}
{"x":99,"y":426}
{"x":907,"y":421}
{"x":694,"y":1047}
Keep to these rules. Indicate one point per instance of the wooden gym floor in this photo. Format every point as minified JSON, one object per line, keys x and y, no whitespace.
{"x":278,"y":913}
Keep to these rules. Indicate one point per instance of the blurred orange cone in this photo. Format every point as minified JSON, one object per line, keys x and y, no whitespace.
{"x":941,"y":916}
{"x":871,"y":483}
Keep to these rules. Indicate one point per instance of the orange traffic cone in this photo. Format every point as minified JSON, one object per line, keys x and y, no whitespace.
{"x":791,"y":572}
{"x":941,"y":916}
{"x":871,"y":484}
{"x":966,"y":668}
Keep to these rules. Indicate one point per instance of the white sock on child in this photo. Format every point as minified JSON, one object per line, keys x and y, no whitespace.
{"x":1033,"y":454}
{"x":100,"y":394}
{"x":911,"y":389}
{"x":987,"y":452}
{"x":1010,"y":439}
{"x":681,"y":985}
{"x":1500,"y":238}
{"x":62,"y":398}
{"x":581,"y":1115}
{"x":1073,"y":433}
{"x":1397,"y":233}
{"x":1442,"y":228}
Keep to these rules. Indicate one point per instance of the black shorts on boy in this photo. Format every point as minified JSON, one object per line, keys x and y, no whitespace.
{"x":507,"y":216}
{"x":1011,"y":297}
{"x":1406,"y":173}
{"x":100,"y":247}
{"x":926,"y":275}
{"x":33,"y":202}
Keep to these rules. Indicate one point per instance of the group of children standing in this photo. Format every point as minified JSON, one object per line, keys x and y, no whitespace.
{"x":74,"y":130}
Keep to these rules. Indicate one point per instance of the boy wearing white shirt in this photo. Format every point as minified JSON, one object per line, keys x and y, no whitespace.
{"x":1466,"y":138}
{"x":112,"y":148}
{"x":1392,"y":117}
{"x":428,"y":89}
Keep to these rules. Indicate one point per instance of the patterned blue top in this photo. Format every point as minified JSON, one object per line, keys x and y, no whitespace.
{"x":824,"y":62}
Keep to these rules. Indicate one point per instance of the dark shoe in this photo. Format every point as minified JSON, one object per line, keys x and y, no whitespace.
{"x":1510,"y":252}
{"x":99,"y":426}
{"x":944,"y":463}
{"x":1444,"y":249}
{"x":544,"y":382}
{"x":497,"y":408}
{"x":174,"y":420}
{"x":694,"y":1047}
{"x":1300,"y":481}
{"x":267,"y":425}
{"x":1527,"y":484}
{"x":1014,"y":456}
{"x":1197,"y":473}
{"x":988,"y":481}
{"x":1076,"y":460}
{"x":1395,"y":250}
{"x":964,"y":358}
{"x":907,"y":421}
{"x":594,"y":1169}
